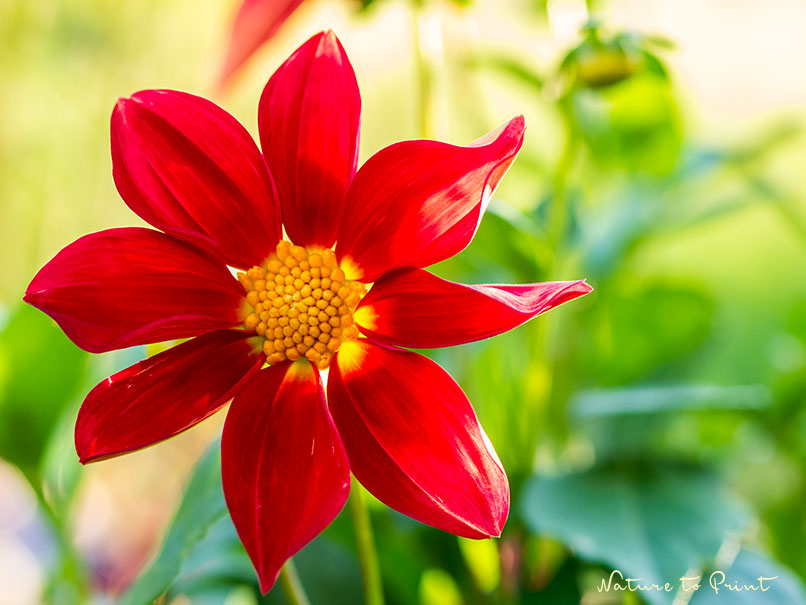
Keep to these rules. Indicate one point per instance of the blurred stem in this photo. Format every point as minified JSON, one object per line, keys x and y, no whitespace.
{"x":558,"y":213}
{"x":425,"y":76}
{"x":557,"y":233}
{"x":291,"y":584}
{"x":72,"y":565}
{"x":367,"y":555}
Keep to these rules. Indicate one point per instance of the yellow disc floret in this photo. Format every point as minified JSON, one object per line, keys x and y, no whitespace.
{"x":301,"y":303}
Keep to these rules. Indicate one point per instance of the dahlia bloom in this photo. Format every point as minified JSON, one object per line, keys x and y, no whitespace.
{"x":392,"y":417}
{"x":255,"y":22}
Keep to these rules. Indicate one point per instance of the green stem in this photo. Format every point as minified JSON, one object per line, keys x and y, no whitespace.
{"x":424,"y":78}
{"x":72,"y":565}
{"x":558,"y":213}
{"x":556,"y":231}
{"x":367,"y":555}
{"x":291,"y":585}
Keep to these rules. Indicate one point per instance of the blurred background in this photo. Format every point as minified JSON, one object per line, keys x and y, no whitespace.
{"x":656,"y":426}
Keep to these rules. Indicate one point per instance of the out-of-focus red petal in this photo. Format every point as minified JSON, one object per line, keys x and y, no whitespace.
{"x":189,"y":168}
{"x":123,"y":287}
{"x":284,"y":468}
{"x":255,"y":23}
{"x":419,"y":202}
{"x":414,"y":442}
{"x":308,"y":120}
{"x":414,"y":308}
{"x":164,"y":395}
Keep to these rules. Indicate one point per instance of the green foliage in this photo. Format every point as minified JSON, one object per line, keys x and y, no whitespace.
{"x":784,"y":589}
{"x":653,"y":523}
{"x":649,"y":400}
{"x":682,"y":378}
{"x":202,"y":505}
{"x":633,"y":332}
{"x":40,"y":373}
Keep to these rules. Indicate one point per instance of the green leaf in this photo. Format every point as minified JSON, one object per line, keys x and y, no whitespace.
{"x":509,"y":65}
{"x":509,"y":246}
{"x":202,"y":505}
{"x":653,"y":524}
{"x":218,"y":564}
{"x":61,"y":470}
{"x":634,"y":337}
{"x":40,"y":373}
{"x":632,"y":125}
{"x":562,"y":588}
{"x":785,"y":589}
{"x":668,"y":398}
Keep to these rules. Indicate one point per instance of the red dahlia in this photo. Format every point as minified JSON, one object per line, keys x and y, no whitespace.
{"x":393,"y":417}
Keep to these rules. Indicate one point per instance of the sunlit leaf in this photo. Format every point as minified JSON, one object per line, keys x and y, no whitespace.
{"x":439,"y":588}
{"x":481,"y":558}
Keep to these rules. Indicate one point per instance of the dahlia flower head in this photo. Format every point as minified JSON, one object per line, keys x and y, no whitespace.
{"x":297,"y":279}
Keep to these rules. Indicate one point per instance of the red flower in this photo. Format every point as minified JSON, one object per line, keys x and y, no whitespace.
{"x":255,"y":22}
{"x":392,"y":417}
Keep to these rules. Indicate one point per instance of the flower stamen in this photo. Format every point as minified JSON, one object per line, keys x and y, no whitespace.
{"x":302,"y":304}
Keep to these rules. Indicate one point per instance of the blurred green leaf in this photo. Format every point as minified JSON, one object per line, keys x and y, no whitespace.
{"x":329,"y":573}
{"x":668,"y":398}
{"x":649,"y":523}
{"x":634,"y":124}
{"x":508,"y":247}
{"x":202,"y":558}
{"x":40,"y":373}
{"x":785,"y":589}
{"x":508,"y":65}
{"x":607,"y":236}
{"x":481,"y":558}
{"x":634,"y":333}
{"x":562,"y":588}
{"x":438,"y":588}
{"x":61,"y":470}
{"x":202,"y":505}
{"x":218,"y":565}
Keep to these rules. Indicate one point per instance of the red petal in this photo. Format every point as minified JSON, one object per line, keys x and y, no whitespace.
{"x":413,"y":440}
{"x":123,"y":287}
{"x":413,"y":308}
{"x":308,"y":121}
{"x":164,"y":395}
{"x":189,"y":168}
{"x":255,"y":22}
{"x":419,"y":202}
{"x":285,"y":472}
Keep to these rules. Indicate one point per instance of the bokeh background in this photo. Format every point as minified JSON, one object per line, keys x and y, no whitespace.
{"x":656,"y":426}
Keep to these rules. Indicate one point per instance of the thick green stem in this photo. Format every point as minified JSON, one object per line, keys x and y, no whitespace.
{"x":291,"y":585}
{"x":367,"y":555}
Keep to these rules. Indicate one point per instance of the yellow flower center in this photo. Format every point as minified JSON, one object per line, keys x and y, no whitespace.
{"x":301,"y":303}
